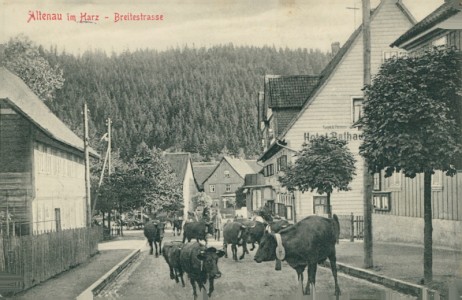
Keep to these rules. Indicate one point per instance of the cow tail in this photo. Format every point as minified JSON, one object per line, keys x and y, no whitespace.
{"x":336,"y":228}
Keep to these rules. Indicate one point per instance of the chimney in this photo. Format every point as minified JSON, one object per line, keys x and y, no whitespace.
{"x":335,"y":48}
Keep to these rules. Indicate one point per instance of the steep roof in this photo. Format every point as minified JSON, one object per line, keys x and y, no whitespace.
{"x":202,"y":170}
{"x":179,"y":163}
{"x":289,"y":91}
{"x":256,"y":167}
{"x":21,"y":97}
{"x":328,"y":72}
{"x":441,"y":14}
{"x":240,"y":166}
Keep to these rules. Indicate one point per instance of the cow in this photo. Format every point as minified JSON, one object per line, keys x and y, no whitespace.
{"x":235,"y":233}
{"x":197,"y":230}
{"x":177,"y":224}
{"x":154,"y":232}
{"x":201,"y":264}
{"x":171,"y":252}
{"x":307,"y":243}
{"x":257,"y":229}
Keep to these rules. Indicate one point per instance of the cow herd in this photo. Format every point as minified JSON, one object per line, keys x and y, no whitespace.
{"x":302,"y":245}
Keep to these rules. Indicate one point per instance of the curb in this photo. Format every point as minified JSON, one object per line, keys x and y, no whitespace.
{"x":395,"y":284}
{"x":96,"y":287}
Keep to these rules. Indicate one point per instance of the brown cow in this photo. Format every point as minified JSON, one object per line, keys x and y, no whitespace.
{"x":307,"y":243}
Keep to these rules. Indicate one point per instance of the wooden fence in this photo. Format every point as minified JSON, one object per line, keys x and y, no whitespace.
{"x":351,"y":227}
{"x":36,"y":258}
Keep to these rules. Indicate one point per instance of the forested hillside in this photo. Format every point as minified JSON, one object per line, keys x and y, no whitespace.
{"x":198,"y":100}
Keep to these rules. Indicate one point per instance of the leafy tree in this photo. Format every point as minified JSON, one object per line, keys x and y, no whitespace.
{"x":240,"y":198}
{"x":323,"y":165}
{"x":412,"y":123}
{"x":146,"y":180}
{"x":24,"y":58}
{"x":202,"y":199}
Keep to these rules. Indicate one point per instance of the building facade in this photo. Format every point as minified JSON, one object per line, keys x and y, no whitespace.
{"x":42,"y":168}
{"x":334,"y":105}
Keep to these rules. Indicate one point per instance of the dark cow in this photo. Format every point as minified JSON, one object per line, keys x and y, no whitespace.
{"x":235,"y":233}
{"x":307,"y":243}
{"x":154,"y":232}
{"x":171,"y":252}
{"x":197,"y":230}
{"x":177,"y":225}
{"x":201,"y":264}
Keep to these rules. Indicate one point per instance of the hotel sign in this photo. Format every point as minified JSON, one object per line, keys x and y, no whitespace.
{"x":335,"y":131}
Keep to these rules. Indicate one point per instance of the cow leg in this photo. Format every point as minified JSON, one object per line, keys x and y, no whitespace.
{"x":244,"y":250}
{"x":193,"y":284}
{"x":150,"y":245}
{"x":311,"y":277}
{"x":160,"y":246}
{"x":234,"y":250}
{"x":253,"y":246}
{"x":225,"y":248}
{"x":333,"y":266}
{"x":181,"y":277}
{"x":300,"y":270}
{"x":172,"y":272}
{"x":211,"y":287}
{"x":155,"y":244}
{"x":184,"y":238}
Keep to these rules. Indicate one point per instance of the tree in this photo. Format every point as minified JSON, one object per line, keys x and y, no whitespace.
{"x":202,"y":199}
{"x":240,"y":197}
{"x":323,"y":165}
{"x":412,"y":123}
{"x":24,"y":58}
{"x":145,"y":181}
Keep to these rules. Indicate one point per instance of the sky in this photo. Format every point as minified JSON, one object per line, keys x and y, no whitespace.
{"x":282,"y":23}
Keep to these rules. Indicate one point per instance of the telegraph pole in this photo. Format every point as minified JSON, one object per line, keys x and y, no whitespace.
{"x":367,"y":177}
{"x":87,"y":163}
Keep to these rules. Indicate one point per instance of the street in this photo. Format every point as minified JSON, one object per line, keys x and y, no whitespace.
{"x":148,"y":278}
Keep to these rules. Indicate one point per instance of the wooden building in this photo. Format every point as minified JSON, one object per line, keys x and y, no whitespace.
{"x":182,"y":166}
{"x":332,"y":106}
{"x":399,"y":200}
{"x":42,"y":182}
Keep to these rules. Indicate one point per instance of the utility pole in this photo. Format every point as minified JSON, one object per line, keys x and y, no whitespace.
{"x":367,"y":177}
{"x":109,"y":147}
{"x":354,"y":8}
{"x":87,"y":163}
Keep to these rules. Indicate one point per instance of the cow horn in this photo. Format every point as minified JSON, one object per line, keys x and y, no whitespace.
{"x":253,"y":226}
{"x":268,"y":228}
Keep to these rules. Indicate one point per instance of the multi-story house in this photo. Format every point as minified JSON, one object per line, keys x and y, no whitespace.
{"x":331,"y":108}
{"x":399,"y":200}
{"x":227,"y":177}
{"x":42,"y":169}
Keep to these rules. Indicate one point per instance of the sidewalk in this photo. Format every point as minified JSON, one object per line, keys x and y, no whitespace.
{"x":405,"y":262}
{"x":69,"y":284}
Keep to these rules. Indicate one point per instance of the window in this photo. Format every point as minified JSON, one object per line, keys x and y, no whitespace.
{"x":269,"y":170}
{"x":320,"y":205}
{"x":212,"y":188}
{"x":228,"y":187}
{"x":281,"y":163}
{"x":437,"y":181}
{"x":395,"y":180}
{"x":377,"y":181}
{"x":226,"y":174}
{"x":391,"y":54}
{"x":289,"y":212}
{"x":357,"y":111}
{"x":442,"y":41}
{"x":381,"y":201}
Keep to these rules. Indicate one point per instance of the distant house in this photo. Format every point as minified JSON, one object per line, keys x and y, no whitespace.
{"x":42,"y":182}
{"x":399,"y":200}
{"x":225,"y":179}
{"x":182,"y":167}
{"x":330,"y":107}
{"x":202,"y":171}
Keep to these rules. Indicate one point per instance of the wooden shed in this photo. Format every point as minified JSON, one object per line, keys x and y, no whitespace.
{"x":42,"y":182}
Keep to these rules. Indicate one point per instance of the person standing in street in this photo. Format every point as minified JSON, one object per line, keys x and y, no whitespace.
{"x":217,"y":223}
